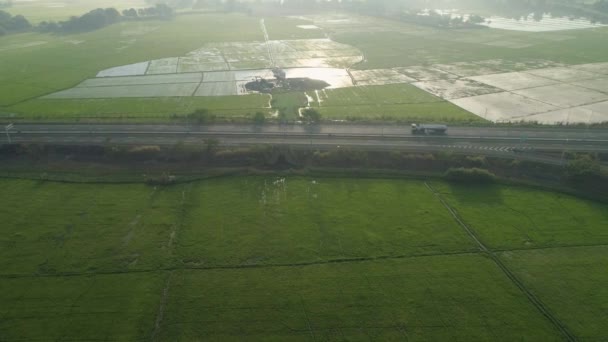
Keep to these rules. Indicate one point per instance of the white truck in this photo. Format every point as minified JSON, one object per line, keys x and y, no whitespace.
{"x":429,"y":129}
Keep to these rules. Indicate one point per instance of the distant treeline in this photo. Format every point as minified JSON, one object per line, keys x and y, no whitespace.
{"x":12,"y":24}
{"x":6,"y":4}
{"x":595,"y":11}
{"x":102,"y":17}
{"x":433,"y":18}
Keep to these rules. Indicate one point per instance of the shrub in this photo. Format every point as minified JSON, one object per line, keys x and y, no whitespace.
{"x":472,"y":175}
{"x":164,"y":179}
{"x":201,"y":116}
{"x":311,"y":116}
{"x":259,"y":118}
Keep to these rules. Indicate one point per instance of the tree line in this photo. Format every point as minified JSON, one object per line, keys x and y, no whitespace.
{"x":92,"y":20}
{"x":102,"y":17}
{"x":13,"y":24}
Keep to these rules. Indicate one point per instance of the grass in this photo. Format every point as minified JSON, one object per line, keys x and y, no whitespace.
{"x":116,"y":307}
{"x":267,"y":258}
{"x":94,"y":228}
{"x":30,"y":72}
{"x":571,"y":281}
{"x":402,"y":45}
{"x":395,"y":101}
{"x":142,"y":108}
{"x":297,"y":221}
{"x":429,"y":298}
{"x":520,"y":218}
{"x":282,"y":28}
{"x":289,"y":104}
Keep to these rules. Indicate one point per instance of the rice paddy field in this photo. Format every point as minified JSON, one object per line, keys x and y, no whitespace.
{"x":387,"y":102}
{"x":299,"y":259}
{"x":460,"y":75}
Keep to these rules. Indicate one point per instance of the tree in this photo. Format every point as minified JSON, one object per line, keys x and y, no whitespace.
{"x":9,"y":24}
{"x":259,"y":118}
{"x":201,"y":116}
{"x":131,"y":12}
{"x":19,"y":23}
{"x":311,"y":116}
{"x":2,"y":31}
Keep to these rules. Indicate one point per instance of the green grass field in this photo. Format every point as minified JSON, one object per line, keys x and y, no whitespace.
{"x":62,"y":61}
{"x":297,"y":258}
{"x":400,"y":44}
{"x":392,"y":102}
{"x":517,"y":218}
{"x":139,"y":108}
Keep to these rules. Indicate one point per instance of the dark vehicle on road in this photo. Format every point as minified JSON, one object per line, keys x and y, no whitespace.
{"x":429,"y":129}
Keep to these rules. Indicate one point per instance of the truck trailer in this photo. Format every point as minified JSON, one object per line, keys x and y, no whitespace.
{"x":429,"y":129}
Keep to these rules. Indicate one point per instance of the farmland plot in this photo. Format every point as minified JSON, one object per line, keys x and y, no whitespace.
{"x":125,"y":70}
{"x":456,"y":88}
{"x":563,"y":74}
{"x":299,"y":258}
{"x":599,"y":84}
{"x":571,"y":281}
{"x":379,"y":77}
{"x":141,"y":80}
{"x":141,"y":90}
{"x":513,"y":80}
{"x":563,"y":95}
{"x":502,"y":106}
{"x":593,"y":113}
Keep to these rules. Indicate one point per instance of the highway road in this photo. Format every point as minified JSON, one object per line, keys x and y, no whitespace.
{"x":478,"y":140}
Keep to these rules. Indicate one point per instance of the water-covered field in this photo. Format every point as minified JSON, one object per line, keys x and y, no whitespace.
{"x":498,"y":75}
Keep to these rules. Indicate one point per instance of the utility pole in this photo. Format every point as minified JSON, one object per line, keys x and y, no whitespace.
{"x":8,"y":128}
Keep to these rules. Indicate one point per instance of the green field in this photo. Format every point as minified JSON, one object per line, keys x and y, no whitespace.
{"x":391,"y":102}
{"x":62,"y":61}
{"x":33,"y":65}
{"x":297,"y":258}
{"x":401,"y":44}
{"x":140,"y":108}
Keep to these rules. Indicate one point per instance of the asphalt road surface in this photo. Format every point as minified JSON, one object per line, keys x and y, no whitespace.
{"x":477,"y":140}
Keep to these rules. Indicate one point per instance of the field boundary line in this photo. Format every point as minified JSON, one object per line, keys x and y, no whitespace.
{"x":540,"y":306}
{"x":239,"y":267}
{"x":198,"y":87}
{"x":161,"y":308}
{"x":523,"y":249}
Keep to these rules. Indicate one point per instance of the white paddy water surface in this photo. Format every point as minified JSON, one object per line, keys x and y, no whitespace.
{"x":514,"y":80}
{"x":125,"y":70}
{"x":545,"y":24}
{"x":497,"y":90}
{"x":140,"y":90}
{"x":222,"y":69}
{"x":593,"y":113}
{"x":215,"y":83}
{"x":567,"y":94}
{"x":563,"y":95}
{"x":456,"y":88}
{"x":379,"y":77}
{"x":502,"y":106}
{"x":564,"y":74}
{"x":303,"y":53}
